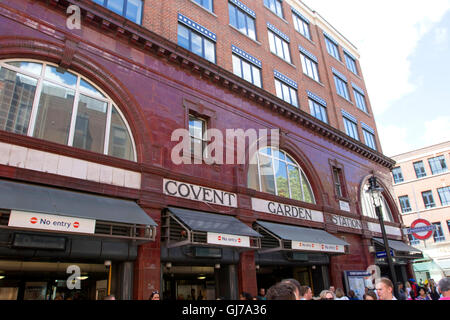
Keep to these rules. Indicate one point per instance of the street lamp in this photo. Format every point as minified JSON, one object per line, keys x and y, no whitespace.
{"x":375,"y":190}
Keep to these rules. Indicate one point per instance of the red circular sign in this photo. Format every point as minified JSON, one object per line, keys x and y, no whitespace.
{"x":33,"y":220}
{"x":424,"y":235}
{"x":76,"y":224}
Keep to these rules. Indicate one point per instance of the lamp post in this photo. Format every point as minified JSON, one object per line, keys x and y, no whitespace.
{"x":375,"y":190}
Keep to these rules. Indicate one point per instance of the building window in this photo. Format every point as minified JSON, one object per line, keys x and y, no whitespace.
{"x":351,"y":128}
{"x":338,"y":179}
{"x":437,"y":165}
{"x":196,"y":43}
{"x":197,"y":132}
{"x":420,"y":169}
{"x":130,"y":9}
{"x":207,"y":4}
{"x":448,"y":225}
{"x":242,"y":21}
{"x":368,"y":208}
{"x":309,"y":67}
{"x":404,"y":204}
{"x":276,"y":172}
{"x":397,"y":174}
{"x":412,"y":240}
{"x":318,"y":110}
{"x":286,"y":93}
{"x":332,"y":48}
{"x":351,"y":63}
{"x":360,"y":100}
{"x":67,"y":109}
{"x":341,"y":87}
{"x":438,"y":234}
{"x":246,"y":70}
{"x":279,"y":46}
{"x":444,"y":195}
{"x":369,"y":138}
{"x":275,"y":6}
{"x":301,"y":25}
{"x":428,"y":199}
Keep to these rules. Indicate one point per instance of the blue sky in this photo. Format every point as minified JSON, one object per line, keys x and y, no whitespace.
{"x":405,"y":59}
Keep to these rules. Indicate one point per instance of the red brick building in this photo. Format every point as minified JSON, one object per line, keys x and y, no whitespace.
{"x":90,"y":96}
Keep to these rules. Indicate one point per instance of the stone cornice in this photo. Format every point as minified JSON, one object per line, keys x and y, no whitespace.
{"x":151,"y":42}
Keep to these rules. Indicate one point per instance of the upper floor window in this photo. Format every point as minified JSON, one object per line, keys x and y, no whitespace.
{"x":397,"y":174}
{"x":438,"y":234}
{"x":368,"y":207}
{"x":301,"y":25}
{"x":332,"y":48}
{"x":341,"y":87}
{"x":197,"y":42}
{"x":309,"y":67}
{"x":437,"y":165}
{"x":369,"y":139}
{"x":404,"y":204}
{"x":275,"y":171}
{"x":360,"y":100}
{"x":130,"y":9}
{"x":444,"y":195}
{"x":246,"y":67}
{"x":351,"y":127}
{"x":318,"y":110}
{"x":350,"y":62}
{"x":428,"y":199}
{"x":338,"y":179}
{"x":286,"y":89}
{"x":197,"y":132}
{"x":420,"y":169}
{"x":275,"y":6}
{"x":242,"y":20}
{"x":279,"y":46}
{"x":207,"y":4}
{"x":412,"y":240}
{"x":40,"y":100}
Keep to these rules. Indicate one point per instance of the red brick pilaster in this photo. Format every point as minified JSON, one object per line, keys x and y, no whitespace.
{"x":247,"y":273}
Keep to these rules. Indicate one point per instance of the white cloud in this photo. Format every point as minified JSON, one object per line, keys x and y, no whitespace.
{"x":436,"y":131}
{"x":440,"y":36}
{"x":385,"y":32}
{"x":394,"y":140}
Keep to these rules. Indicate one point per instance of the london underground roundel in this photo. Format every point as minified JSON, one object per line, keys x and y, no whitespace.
{"x":422,"y":229}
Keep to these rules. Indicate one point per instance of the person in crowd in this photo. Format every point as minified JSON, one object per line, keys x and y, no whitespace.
{"x":423,"y":295}
{"x":340,"y":294}
{"x":245,"y":296}
{"x":444,"y":288}
{"x":297,"y":286}
{"x":370,"y":295}
{"x":352,"y":295}
{"x":385,"y":289}
{"x":154,"y":295}
{"x":402,"y":295}
{"x":332,"y":289}
{"x":414,"y":288}
{"x":434,"y":294}
{"x":262,"y":294}
{"x":282,"y":291}
{"x":306,"y":293}
{"x":326,"y":295}
{"x":407,"y":289}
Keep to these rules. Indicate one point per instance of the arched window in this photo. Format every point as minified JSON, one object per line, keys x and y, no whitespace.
{"x":40,"y":100}
{"x":274,"y":171}
{"x":368,"y":207}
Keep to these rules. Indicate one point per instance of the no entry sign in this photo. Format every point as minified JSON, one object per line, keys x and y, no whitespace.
{"x":422,"y":229}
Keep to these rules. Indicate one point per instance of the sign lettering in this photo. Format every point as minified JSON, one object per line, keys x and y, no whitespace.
{"x":286,"y":210}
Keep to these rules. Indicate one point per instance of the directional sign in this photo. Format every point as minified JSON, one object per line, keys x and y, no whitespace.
{"x":382,"y":254}
{"x":422,"y":229}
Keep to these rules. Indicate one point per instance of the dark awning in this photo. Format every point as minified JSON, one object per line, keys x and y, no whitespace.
{"x":400,"y":248}
{"x":187,"y":226}
{"x":104,"y":210}
{"x":287,"y":237}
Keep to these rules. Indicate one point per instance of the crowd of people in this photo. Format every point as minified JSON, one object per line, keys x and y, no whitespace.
{"x":291,"y":289}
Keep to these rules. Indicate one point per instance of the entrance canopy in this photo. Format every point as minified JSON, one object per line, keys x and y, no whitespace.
{"x":106,"y":216}
{"x":401,"y":249}
{"x":185,"y":227}
{"x":277,"y":237}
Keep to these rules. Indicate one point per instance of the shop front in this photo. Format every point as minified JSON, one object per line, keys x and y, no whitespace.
{"x":59,"y":244}
{"x":200,"y":253}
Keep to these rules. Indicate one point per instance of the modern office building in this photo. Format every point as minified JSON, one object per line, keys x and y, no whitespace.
{"x":101,"y":104}
{"x":422,"y":188}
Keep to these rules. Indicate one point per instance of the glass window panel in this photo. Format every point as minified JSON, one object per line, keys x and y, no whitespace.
{"x":35,"y":68}
{"x":253,"y":175}
{"x":90,"y":89}
{"x":444,"y":196}
{"x":256,"y":76}
{"x":278,"y":89}
{"x":282,"y":178}
{"x":54,"y":113}
{"x":241,"y":22}
{"x":183,"y":37}
{"x":120,"y":143}
{"x":251,"y":28}
{"x":237,"y":66}
{"x":17,"y":93}
{"x":90,"y":125}
{"x":289,"y":159}
{"x":286,"y":94}
{"x":247,"y":71}
{"x":278,"y":11}
{"x":232,"y":14}
{"x":60,"y":76}
{"x":267,"y":175}
{"x":294,"y":183}
{"x":279,"y":47}
{"x":267,"y":151}
{"x":116,"y":6}
{"x":210,"y":51}
{"x":101,"y":2}
{"x":196,"y":42}
{"x":196,"y":127}
{"x":293,"y":97}
{"x":272,"y":42}
{"x":286,"y":53}
{"x":307,"y":192}
{"x":134,"y":10}
{"x":279,"y":154}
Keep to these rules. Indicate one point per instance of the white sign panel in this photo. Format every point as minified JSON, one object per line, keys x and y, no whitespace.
{"x":321,"y":247}
{"x":346,"y":222}
{"x":286,"y":210}
{"x":42,"y":221}
{"x":198,"y":193}
{"x":375,"y":227}
{"x":228,"y":240}
{"x":344,"y":205}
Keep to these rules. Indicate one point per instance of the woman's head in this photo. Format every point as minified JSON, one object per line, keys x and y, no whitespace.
{"x":370,"y":296}
{"x":339,"y":293}
{"x":326,"y":295}
{"x":422,"y":291}
{"x":154,"y":295}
